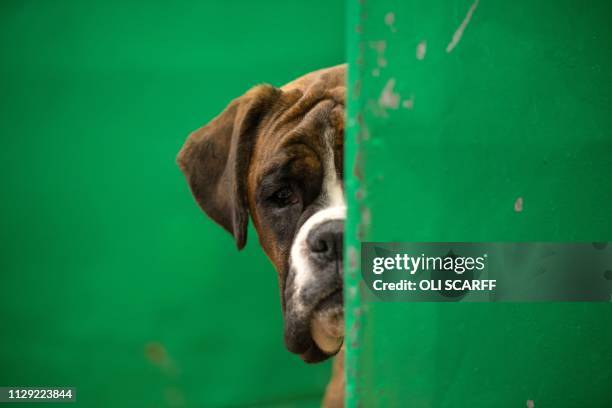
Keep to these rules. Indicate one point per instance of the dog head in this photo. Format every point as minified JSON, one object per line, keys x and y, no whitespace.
{"x":275,"y":155}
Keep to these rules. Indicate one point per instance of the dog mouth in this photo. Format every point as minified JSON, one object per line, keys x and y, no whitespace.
{"x":327,"y":323}
{"x":316,"y":332}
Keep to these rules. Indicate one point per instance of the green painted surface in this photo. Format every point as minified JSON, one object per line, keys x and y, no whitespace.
{"x":111,"y":279}
{"x":517,"y":108}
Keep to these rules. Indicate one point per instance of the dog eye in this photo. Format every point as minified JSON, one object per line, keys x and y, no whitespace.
{"x":284,"y":197}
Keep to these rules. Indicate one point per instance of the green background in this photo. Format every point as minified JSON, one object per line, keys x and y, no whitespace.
{"x":111,"y":279}
{"x":519,"y":109}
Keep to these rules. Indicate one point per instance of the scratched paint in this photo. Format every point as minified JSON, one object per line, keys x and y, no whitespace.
{"x":459,"y":32}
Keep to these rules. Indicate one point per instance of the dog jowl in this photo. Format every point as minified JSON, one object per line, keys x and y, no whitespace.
{"x":275,"y":156}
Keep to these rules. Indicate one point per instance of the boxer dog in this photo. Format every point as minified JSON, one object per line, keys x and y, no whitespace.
{"x":275,"y":155}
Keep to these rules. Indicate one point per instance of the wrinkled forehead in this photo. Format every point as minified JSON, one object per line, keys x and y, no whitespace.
{"x":313,"y":136}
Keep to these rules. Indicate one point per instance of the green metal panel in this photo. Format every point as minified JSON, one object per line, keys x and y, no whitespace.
{"x":478,"y":121}
{"x":111,"y":278}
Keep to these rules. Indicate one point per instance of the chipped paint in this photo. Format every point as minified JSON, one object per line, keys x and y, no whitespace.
{"x":363,"y":133}
{"x":518,"y":204}
{"x":459,"y":32}
{"x":357,"y":88}
{"x":389,"y":18}
{"x":388,"y":98}
{"x":530,"y":404}
{"x":379,"y":47}
{"x":408,"y":103}
{"x":421,"y":49}
{"x":390,"y":21}
{"x":357,"y":135}
{"x":364,"y":225}
{"x":352,"y":257}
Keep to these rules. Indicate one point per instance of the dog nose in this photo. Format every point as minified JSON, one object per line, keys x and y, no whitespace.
{"x":326,"y":241}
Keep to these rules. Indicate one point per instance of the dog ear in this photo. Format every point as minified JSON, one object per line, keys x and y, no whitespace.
{"x":215,"y":159}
